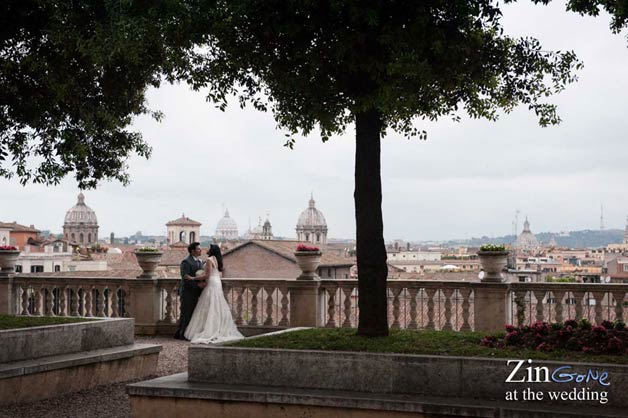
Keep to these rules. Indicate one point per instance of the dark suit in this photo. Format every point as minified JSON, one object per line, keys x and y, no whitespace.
{"x":189,"y":291}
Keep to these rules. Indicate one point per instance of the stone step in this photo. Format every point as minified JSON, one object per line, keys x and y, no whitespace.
{"x":45,"y":364}
{"x":52,"y":376}
{"x":164,"y":396}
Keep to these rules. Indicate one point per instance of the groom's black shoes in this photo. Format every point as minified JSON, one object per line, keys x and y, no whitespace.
{"x":178,"y":336}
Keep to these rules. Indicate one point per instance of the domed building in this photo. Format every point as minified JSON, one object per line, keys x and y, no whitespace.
{"x":227,"y":229}
{"x":267,"y":230}
{"x":81,"y":225}
{"x":261,"y":231}
{"x":312,"y":226}
{"x":527,"y":241}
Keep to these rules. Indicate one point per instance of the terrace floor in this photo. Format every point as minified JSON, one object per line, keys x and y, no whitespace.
{"x":109,"y":401}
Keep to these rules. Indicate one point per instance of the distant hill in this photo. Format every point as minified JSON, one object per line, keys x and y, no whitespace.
{"x":573,"y":239}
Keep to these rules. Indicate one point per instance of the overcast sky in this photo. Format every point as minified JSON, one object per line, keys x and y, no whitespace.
{"x":467,"y":179}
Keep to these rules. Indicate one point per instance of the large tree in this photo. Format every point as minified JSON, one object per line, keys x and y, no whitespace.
{"x":74,"y":73}
{"x":378,"y":64}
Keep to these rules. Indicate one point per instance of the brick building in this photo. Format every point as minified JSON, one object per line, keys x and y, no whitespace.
{"x":275,"y":259}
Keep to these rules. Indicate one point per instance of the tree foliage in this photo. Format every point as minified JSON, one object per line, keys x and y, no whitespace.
{"x":73,"y":74}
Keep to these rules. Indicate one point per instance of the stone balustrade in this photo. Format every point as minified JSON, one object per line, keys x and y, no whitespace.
{"x":557,"y":302}
{"x":264,"y":304}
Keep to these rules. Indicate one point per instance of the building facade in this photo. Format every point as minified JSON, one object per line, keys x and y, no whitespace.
{"x":183,"y":231}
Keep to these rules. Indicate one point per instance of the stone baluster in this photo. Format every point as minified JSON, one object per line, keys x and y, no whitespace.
{"x":559,"y":296}
{"x":284,"y":307}
{"x":101,"y":301}
{"x":63,"y":289}
{"x":599,"y":309}
{"x":412,"y":291}
{"x":269,"y":305}
{"x":619,"y":295}
{"x":396,"y":305}
{"x":47,"y":301}
{"x":539,"y":295}
{"x":37,"y":295}
{"x":239,"y":320}
{"x":24,"y":300}
{"x":169,"y":310}
{"x":113,"y":295}
{"x":520,"y":306}
{"x":74,"y":302}
{"x":87,"y":292}
{"x":331,"y":307}
{"x":448,"y":292}
{"x":430,"y":308}
{"x":254,"y":291}
{"x":347,"y":290}
{"x":578,"y":307}
{"x":465,"y":292}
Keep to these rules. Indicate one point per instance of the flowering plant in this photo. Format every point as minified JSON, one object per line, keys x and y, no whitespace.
{"x":303,"y":247}
{"x":493,"y":247}
{"x":147,"y":250}
{"x":606,"y":338}
{"x":7,"y":248}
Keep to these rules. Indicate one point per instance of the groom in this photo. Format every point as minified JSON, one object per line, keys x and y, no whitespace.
{"x":189,"y":290}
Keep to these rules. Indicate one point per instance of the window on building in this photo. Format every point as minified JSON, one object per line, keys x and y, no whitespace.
{"x":625,"y":267}
{"x":89,"y":238}
{"x":57,"y":268}
{"x":73,"y":238}
{"x":37,"y":269}
{"x":18,"y":269}
{"x":81,"y":237}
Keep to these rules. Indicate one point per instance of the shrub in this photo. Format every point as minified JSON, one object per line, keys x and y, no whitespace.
{"x":606,"y":338}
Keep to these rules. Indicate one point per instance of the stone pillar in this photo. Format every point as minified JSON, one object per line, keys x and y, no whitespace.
{"x":7,"y":295}
{"x":144,"y":304}
{"x":305,"y":304}
{"x":491,"y":307}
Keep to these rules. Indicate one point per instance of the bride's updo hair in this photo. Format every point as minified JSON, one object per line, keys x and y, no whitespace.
{"x":215,"y":251}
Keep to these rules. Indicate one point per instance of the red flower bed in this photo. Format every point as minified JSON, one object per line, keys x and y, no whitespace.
{"x":607,"y":338}
{"x":303,"y":247}
{"x":7,"y":248}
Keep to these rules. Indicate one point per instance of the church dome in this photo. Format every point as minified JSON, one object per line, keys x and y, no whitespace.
{"x":80,"y":213}
{"x":226,"y":223}
{"x":227,"y":227}
{"x":527,"y":240}
{"x":311,"y":217}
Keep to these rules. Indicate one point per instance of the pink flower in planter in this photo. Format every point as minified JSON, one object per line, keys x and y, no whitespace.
{"x":303,"y":247}
{"x":7,"y":248}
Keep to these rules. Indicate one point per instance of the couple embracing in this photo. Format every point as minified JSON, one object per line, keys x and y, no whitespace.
{"x":205,"y":315}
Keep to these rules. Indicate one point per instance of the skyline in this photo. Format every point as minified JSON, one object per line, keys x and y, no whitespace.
{"x":466,"y":180}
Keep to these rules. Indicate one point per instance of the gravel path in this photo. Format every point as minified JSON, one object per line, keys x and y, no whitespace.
{"x":110,"y":401}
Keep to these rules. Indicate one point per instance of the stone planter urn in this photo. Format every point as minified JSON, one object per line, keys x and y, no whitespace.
{"x":148,"y":261}
{"x":308,"y":262}
{"x":493,"y":263}
{"x":8,"y":259}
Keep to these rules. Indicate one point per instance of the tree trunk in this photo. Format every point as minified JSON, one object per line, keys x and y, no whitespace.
{"x":371,"y":249}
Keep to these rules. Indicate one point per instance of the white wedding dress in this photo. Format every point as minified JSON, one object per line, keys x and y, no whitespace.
{"x":212,"y":321}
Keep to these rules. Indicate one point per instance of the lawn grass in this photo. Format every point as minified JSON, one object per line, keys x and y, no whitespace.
{"x":442,"y":343}
{"x":13,"y":322}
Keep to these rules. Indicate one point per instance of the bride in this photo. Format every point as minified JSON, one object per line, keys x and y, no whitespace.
{"x":211,"y":321}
